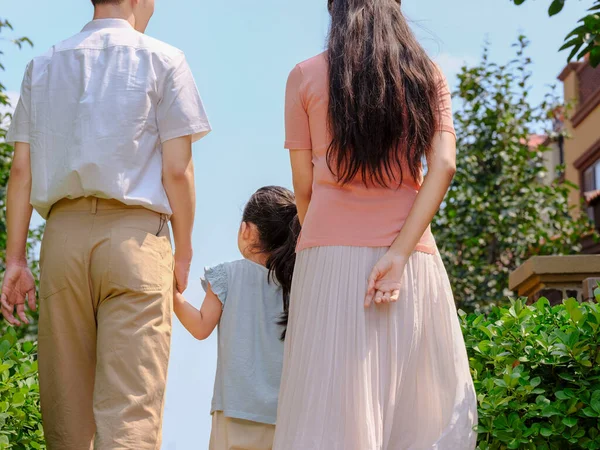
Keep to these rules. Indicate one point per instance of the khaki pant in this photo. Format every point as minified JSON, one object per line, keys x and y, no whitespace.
{"x":105,"y":325}
{"x":236,"y":434}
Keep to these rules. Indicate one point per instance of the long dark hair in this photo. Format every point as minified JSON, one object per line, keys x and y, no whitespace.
{"x":273,"y":210}
{"x":382,"y":93}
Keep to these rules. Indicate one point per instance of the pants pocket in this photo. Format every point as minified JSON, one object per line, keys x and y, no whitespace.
{"x":140,"y":260}
{"x":52,"y":264}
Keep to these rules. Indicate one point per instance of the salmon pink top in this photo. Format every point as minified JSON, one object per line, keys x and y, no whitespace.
{"x":351,"y":214}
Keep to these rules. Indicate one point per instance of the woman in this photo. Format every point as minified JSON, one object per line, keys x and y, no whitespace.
{"x":374,"y":356}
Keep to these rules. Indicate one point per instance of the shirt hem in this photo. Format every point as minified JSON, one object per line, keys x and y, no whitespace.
{"x":296,"y":145}
{"x":44,"y":210}
{"x":12,"y":140}
{"x":269,"y":420}
{"x":306,"y":244}
{"x":197,"y":133}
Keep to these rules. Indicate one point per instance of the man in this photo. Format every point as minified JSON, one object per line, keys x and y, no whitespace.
{"x":103,"y":133}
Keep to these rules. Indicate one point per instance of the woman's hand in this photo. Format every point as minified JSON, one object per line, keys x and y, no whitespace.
{"x":384,"y":281}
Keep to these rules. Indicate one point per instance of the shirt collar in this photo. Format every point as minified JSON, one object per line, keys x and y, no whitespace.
{"x":99,"y":24}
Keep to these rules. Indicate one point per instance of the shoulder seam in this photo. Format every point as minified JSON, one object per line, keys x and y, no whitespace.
{"x":178,"y":52}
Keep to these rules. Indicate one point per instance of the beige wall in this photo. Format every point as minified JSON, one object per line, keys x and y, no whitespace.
{"x":551,"y":162}
{"x":580,"y":138}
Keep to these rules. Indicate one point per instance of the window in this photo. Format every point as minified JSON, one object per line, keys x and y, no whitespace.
{"x":591,"y":182}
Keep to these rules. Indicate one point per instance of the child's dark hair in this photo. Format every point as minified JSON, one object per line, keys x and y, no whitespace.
{"x":273,"y":210}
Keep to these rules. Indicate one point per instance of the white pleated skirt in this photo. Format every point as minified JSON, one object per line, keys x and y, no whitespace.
{"x":390,"y":377}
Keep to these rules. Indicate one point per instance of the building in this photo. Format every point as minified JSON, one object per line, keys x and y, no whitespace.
{"x":559,"y":277}
{"x":582,"y":149}
{"x":553,"y":155}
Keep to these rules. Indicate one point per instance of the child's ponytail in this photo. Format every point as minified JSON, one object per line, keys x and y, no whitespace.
{"x":273,"y":210}
{"x":281,"y":264}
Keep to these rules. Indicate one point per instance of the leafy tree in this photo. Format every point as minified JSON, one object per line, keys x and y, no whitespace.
{"x":499,"y":210}
{"x":6,"y":152}
{"x":583,"y":40}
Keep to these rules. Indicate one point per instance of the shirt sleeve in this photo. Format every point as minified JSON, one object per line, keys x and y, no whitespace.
{"x":19,"y":130}
{"x":180,"y":111}
{"x":216,"y":277}
{"x":297,"y":129}
{"x":445,"y":121}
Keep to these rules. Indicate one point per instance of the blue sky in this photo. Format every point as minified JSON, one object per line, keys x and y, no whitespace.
{"x":241,"y":53}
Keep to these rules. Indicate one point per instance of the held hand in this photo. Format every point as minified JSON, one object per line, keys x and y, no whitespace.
{"x":178,"y":298}
{"x":182,"y":272}
{"x":18,"y":285}
{"x":384,"y":281}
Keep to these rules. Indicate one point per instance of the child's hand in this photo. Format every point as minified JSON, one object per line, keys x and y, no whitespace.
{"x":178,"y":298}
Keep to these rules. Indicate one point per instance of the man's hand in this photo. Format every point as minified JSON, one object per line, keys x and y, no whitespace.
{"x":17,"y":288}
{"x":182,"y":272}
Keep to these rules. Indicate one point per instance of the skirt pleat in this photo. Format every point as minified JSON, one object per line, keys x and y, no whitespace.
{"x":390,"y":377}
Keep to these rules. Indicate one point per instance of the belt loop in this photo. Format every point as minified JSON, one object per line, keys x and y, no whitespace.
{"x":94,"y":205}
{"x":162,"y":223}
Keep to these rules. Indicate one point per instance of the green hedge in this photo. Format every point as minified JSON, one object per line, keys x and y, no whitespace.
{"x":537,"y":375}
{"x":20,"y":418}
{"x":536,"y":371}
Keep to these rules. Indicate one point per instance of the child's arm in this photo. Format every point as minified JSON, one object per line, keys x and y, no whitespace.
{"x":199,"y":323}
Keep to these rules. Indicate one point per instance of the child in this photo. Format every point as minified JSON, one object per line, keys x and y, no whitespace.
{"x":249,"y":299}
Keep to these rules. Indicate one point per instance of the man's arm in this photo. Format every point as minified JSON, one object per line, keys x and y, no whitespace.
{"x":18,"y":281}
{"x":178,"y":180}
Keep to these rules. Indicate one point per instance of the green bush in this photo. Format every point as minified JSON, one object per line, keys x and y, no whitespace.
{"x":20,"y":418}
{"x":537,"y":375}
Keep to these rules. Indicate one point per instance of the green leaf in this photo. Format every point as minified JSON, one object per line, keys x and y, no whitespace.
{"x":542,"y":304}
{"x":570,"y":43}
{"x":18,"y":399}
{"x":594,"y":61}
{"x":4,"y":348}
{"x":555,"y":7}
{"x":595,"y":401}
{"x":486,"y":331}
{"x":576,"y":48}
{"x":566,"y":376}
{"x":580,"y":30}
{"x":570,"y":421}
{"x":550,"y":411}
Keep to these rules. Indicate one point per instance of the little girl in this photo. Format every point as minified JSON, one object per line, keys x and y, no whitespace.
{"x":248,"y":299}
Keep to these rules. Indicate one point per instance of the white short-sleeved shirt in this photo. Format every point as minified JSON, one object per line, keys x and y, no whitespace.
{"x":96,"y":109}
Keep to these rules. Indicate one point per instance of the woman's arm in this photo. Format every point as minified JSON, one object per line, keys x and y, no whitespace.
{"x":384,"y":282}
{"x":441,"y":169}
{"x":199,"y":323}
{"x":302,"y":176}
